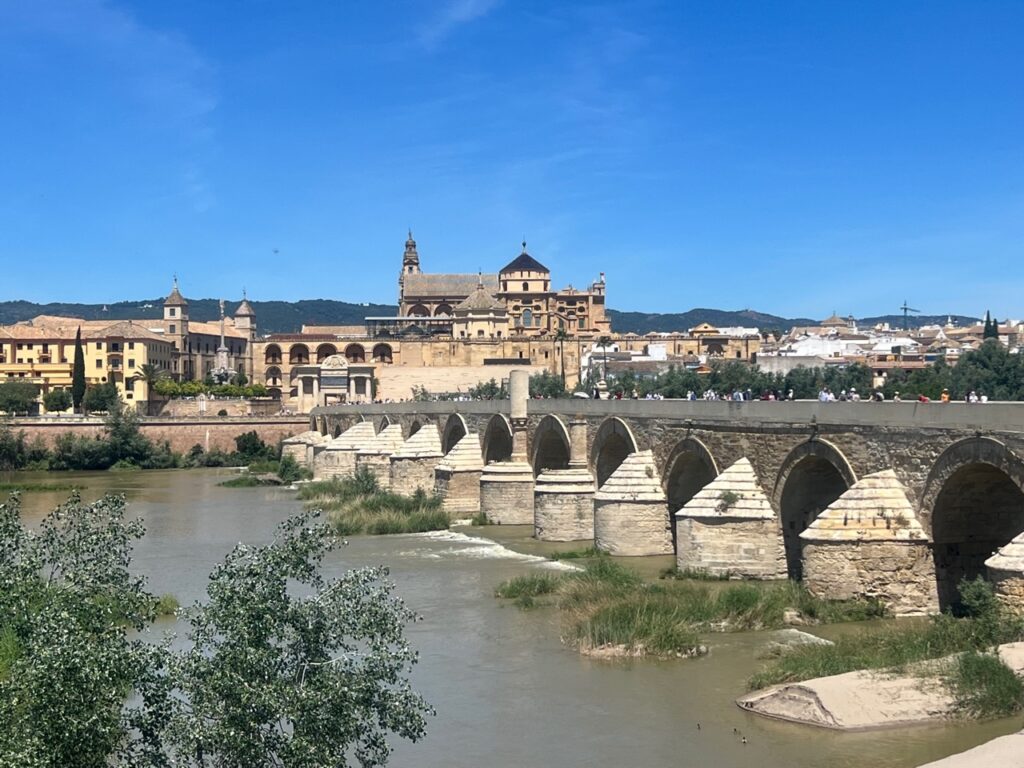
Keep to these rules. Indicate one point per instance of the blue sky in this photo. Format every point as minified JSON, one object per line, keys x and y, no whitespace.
{"x":796,"y":158}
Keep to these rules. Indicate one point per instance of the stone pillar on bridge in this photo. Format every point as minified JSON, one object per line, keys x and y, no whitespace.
{"x":729,"y":529}
{"x":338,"y":459}
{"x":413,"y":464}
{"x":1006,"y":572}
{"x":868,"y":544}
{"x":563,"y":499}
{"x":375,"y":456}
{"x":506,"y":487}
{"x":631,"y":511}
{"x":457,"y":476}
{"x":313,"y":447}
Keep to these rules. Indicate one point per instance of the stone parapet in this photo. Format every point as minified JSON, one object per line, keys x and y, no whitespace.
{"x":631,"y":511}
{"x":506,"y":493}
{"x":563,"y":505}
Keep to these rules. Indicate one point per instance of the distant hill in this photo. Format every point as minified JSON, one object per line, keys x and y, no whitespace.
{"x":290,"y":316}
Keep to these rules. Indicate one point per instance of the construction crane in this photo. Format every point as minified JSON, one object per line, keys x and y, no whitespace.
{"x":906,"y":314}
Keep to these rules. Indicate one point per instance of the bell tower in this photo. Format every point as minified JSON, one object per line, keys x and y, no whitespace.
{"x":410,"y":266}
{"x":176,"y":330}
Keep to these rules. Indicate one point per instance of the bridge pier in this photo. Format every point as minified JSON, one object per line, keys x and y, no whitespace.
{"x":297,"y":446}
{"x":457,"y":476}
{"x":1006,"y":572}
{"x":868,"y":544}
{"x":506,"y":487}
{"x":338,"y":459}
{"x":631,"y":510}
{"x":413,"y":464}
{"x":375,"y":456}
{"x":729,"y":529}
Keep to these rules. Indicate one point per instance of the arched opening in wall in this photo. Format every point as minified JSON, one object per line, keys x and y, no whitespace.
{"x":336,"y":432}
{"x":613,"y":442}
{"x":272,"y":355}
{"x":811,"y":480}
{"x":272,"y":377}
{"x":355,"y":353}
{"x":454,"y":430}
{"x":416,"y":427}
{"x":690,"y":467}
{"x":382,"y":353}
{"x":550,"y":445}
{"x":443,"y":310}
{"x":274,"y":393}
{"x":323,"y":425}
{"x":293,"y":392}
{"x":324,"y":351}
{"x":384,"y":424}
{"x":497,"y":440}
{"x":979,"y":509}
{"x":418,"y":310}
{"x":298,"y":355}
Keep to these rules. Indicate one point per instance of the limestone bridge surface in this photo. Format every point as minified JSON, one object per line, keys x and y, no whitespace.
{"x":896,"y":501}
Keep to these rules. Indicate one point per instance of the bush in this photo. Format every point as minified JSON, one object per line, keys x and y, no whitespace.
{"x":984,"y":686}
{"x":57,"y":400}
{"x":101,"y":397}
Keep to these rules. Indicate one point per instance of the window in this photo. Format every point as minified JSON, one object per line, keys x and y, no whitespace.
{"x":171,"y":311}
{"x":173,"y":328}
{"x":21,"y":346}
{"x":131,"y":362}
{"x":131,"y":345}
{"x":480,"y":334}
{"x":129,"y":385}
{"x":581,"y":325}
{"x":99,"y":363}
{"x":20,"y":361}
{"x":115,"y":347}
{"x":30,"y":346}
{"x":46,"y":349}
{"x":527,"y":317}
{"x":526,"y":286}
{"x":99,"y":345}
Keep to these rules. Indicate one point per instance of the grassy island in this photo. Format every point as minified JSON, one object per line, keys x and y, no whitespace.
{"x":358,"y":505}
{"x":609,"y":609}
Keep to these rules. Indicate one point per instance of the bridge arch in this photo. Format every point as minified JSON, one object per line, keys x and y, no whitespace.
{"x":336,"y":431}
{"x":551,"y":446}
{"x":689,"y":468}
{"x":497,"y":439}
{"x":972,"y":504}
{"x":813,"y":475}
{"x":613,"y":442}
{"x":385,"y":422}
{"x":415,"y":427}
{"x":454,"y":430}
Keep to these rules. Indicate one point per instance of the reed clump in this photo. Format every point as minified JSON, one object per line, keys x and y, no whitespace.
{"x":357,"y":505}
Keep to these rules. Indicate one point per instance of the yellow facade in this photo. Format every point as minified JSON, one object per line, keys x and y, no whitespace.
{"x":42,"y":351}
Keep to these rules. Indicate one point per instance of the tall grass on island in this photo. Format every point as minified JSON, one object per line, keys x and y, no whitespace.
{"x":358,"y":505}
{"x":283,"y":471}
{"x":981,"y":683}
{"x":610,"y":609}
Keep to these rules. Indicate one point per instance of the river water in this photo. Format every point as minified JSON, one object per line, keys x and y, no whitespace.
{"x":508,"y":694}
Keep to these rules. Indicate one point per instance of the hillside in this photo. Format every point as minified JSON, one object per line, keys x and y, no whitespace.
{"x":290,"y":316}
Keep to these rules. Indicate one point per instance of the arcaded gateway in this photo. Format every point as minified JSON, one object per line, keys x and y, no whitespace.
{"x":896,"y":501}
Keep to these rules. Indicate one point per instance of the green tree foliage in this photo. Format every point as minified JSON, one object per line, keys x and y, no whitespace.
{"x":546,"y":384}
{"x":78,"y":372}
{"x":250,"y":448}
{"x":68,"y":610}
{"x":18,"y":396}
{"x":170,"y":388}
{"x":101,"y":397}
{"x":488,"y":390}
{"x":326,"y":663}
{"x":283,"y":667}
{"x":57,"y":400}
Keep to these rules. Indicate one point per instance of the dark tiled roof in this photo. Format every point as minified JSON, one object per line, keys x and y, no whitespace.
{"x":443,"y":286}
{"x":524,"y":262}
{"x":480,"y":299}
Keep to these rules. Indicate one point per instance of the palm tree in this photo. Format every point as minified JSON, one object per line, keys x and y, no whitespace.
{"x":150,"y":374}
{"x":604,"y":342}
{"x":560,"y":336}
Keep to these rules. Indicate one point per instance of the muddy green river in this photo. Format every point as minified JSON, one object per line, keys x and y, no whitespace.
{"x":507,"y":693}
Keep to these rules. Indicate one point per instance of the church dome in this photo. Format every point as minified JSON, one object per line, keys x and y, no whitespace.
{"x":524,"y":262}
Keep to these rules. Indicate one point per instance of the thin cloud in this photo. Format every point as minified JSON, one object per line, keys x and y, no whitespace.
{"x":453,"y":15}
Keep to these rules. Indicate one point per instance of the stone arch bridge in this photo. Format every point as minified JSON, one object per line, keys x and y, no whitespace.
{"x":928,"y":492}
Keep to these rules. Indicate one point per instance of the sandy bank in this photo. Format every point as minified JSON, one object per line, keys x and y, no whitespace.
{"x":864,"y":700}
{"x":1004,"y":752}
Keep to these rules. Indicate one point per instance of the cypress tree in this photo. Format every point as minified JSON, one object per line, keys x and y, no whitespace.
{"x":991,"y":327}
{"x":78,"y":372}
